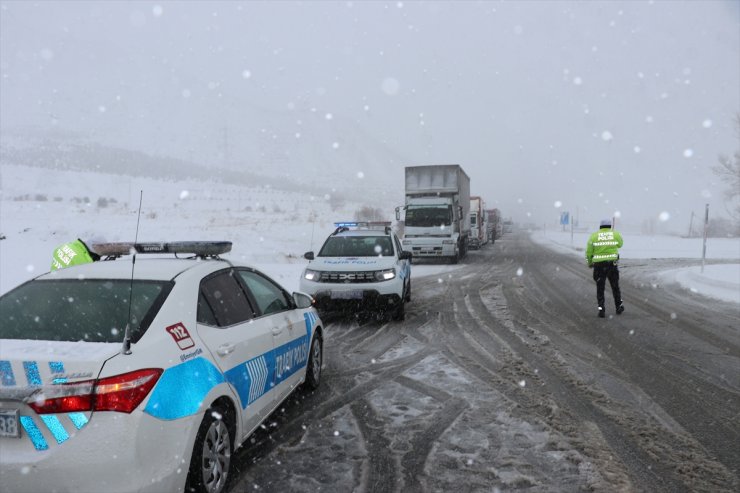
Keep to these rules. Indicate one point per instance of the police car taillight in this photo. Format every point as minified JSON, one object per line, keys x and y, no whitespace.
{"x":121,"y":393}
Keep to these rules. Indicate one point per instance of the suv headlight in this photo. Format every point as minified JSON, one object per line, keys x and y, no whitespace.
{"x":312,"y":275}
{"x":385,"y":275}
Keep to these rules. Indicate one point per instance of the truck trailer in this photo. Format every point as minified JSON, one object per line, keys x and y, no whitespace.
{"x":436,"y":213}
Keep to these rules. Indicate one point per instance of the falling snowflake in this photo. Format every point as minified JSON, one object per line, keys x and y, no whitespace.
{"x":360,"y":174}
{"x":157,"y":11}
{"x":246,"y":74}
{"x":522,"y":383}
{"x":184,"y":194}
{"x":519,"y":272}
{"x":335,"y":145}
{"x":664,"y":216}
{"x":707,"y":123}
{"x":606,"y":136}
{"x":558,"y":204}
{"x":577,"y":81}
{"x":30,"y":268}
{"x":688,"y":153}
{"x":390,"y":86}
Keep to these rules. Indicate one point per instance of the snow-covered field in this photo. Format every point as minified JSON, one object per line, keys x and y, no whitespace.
{"x":270,"y":228}
{"x":721,"y":281}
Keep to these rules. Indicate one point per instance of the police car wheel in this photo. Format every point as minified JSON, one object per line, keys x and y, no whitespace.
{"x":400,"y":312}
{"x":210,"y":464}
{"x":408,"y":290}
{"x":313,"y":370}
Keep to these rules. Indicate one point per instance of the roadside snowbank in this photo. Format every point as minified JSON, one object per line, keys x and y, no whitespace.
{"x":717,"y":281}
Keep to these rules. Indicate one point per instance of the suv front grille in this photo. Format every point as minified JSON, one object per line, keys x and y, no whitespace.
{"x":348,"y":277}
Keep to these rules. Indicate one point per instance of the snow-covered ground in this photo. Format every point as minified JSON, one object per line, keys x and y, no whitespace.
{"x":270,"y":228}
{"x":720,"y":281}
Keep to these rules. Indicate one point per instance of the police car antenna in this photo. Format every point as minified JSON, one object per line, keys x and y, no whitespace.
{"x":127,"y":334}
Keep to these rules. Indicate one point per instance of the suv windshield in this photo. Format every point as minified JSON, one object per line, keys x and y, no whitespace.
{"x":428,"y":215}
{"x":357,"y":246}
{"x":92,"y":310}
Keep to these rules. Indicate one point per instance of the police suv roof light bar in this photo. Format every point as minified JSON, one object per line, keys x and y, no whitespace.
{"x":202,"y":249}
{"x":345,"y":225}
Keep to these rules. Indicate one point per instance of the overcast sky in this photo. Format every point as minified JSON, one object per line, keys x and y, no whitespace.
{"x":549,"y":106}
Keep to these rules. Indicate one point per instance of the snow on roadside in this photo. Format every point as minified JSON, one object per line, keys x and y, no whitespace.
{"x":717,"y":281}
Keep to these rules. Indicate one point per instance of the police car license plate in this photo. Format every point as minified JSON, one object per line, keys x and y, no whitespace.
{"x":355,"y":294}
{"x":9,"y":423}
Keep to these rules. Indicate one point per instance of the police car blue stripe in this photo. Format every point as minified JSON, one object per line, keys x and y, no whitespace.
{"x":78,"y":419}
{"x":55,"y":427}
{"x":180,"y":391}
{"x":6,"y":374}
{"x":32,"y":372}
{"x":290,"y":358}
{"x":258,"y":373}
{"x":37,"y":439}
{"x":56,"y":366}
{"x":182,"y":388}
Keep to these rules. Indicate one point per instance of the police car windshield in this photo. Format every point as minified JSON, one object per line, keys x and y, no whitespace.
{"x":357,"y":246}
{"x":92,"y":310}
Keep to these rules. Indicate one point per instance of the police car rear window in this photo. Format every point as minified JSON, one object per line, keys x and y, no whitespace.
{"x":357,"y":246}
{"x":92,"y":310}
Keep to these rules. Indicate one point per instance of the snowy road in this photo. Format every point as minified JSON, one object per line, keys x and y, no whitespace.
{"x":503,"y":378}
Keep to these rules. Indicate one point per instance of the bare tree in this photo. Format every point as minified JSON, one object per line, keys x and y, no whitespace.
{"x":728,"y":170}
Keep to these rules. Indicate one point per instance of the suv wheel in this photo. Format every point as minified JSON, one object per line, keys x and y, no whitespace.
{"x":400,"y":312}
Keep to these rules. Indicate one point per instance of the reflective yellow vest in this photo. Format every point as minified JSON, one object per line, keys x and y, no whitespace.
{"x":603,"y":246}
{"x":72,"y":253}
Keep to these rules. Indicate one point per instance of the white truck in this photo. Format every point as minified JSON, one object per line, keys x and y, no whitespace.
{"x":437,"y":212}
{"x":478,"y":234}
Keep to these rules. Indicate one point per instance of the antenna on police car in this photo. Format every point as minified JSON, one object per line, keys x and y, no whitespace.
{"x":127,"y":333}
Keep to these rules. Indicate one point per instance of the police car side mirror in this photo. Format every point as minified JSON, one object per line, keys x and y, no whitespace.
{"x":405,"y":255}
{"x":302,"y":300}
{"x":308,"y":256}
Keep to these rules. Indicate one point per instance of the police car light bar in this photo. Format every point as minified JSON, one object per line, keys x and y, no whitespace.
{"x":362,"y":224}
{"x":199,"y":248}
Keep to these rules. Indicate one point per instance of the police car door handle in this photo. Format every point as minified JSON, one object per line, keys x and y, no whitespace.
{"x":225,"y":349}
{"x":276,"y":331}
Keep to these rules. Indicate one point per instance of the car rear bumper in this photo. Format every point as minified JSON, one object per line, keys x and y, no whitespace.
{"x":114,"y":452}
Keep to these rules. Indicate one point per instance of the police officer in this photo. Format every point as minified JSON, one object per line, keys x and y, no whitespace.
{"x":602,"y":253}
{"x":72,"y":253}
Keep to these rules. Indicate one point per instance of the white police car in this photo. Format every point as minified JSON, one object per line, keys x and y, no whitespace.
{"x":360,"y":266}
{"x":118,"y":376}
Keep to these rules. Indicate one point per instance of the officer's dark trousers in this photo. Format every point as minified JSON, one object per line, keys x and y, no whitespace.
{"x":602,"y":272}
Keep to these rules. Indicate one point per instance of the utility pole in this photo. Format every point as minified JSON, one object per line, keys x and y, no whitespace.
{"x":691,"y":225}
{"x":704,"y":247}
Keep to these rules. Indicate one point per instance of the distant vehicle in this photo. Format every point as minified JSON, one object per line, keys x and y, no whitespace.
{"x":478,"y":235}
{"x":146,"y":377}
{"x":494,"y":225}
{"x":436,"y":212}
{"x":361,"y":266}
{"x":508,"y":226}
